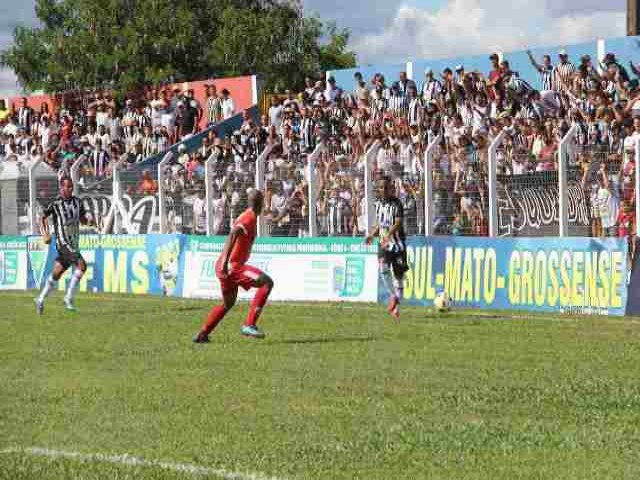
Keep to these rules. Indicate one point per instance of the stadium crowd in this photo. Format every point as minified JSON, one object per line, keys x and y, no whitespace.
{"x":93,"y":124}
{"x":468,"y":110}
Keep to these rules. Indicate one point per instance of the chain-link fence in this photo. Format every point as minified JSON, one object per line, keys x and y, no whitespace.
{"x":459,"y":197}
{"x":14,"y":196}
{"x":135,"y":199}
{"x":339,"y":187}
{"x":92,"y":176}
{"x":286,"y":193}
{"x":595,"y":210}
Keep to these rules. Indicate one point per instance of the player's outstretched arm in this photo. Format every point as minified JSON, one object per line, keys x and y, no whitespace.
{"x":373,"y":234}
{"x":44,"y":229}
{"x":44,"y":224}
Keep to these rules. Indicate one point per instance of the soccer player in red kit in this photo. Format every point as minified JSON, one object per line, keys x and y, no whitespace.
{"x":232,"y":271}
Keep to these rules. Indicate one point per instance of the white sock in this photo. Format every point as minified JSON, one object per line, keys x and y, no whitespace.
{"x":398,"y":286}
{"x":49,"y":285}
{"x":387,"y":280}
{"x":73,"y":283}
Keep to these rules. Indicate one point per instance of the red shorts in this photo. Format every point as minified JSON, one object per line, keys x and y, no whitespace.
{"x":244,"y":276}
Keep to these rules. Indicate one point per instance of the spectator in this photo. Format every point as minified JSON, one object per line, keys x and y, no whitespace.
{"x":147,"y":185}
{"x":214,"y":105}
{"x":186,"y":119}
{"x":200,"y":213}
{"x":228,"y":105}
{"x":25,"y":115}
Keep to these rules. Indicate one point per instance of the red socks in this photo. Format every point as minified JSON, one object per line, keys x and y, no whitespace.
{"x":213,"y":319}
{"x":217,"y":313}
{"x":256,"y":305}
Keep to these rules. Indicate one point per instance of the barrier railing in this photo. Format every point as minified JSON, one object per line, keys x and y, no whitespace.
{"x":501,"y":191}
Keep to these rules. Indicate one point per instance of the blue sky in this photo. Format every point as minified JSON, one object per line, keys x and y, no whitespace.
{"x":397,"y":30}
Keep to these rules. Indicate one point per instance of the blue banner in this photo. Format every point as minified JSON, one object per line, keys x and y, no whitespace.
{"x":570,"y":275}
{"x":139,"y":264}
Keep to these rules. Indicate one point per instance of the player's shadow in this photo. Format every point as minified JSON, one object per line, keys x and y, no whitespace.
{"x":320,"y":340}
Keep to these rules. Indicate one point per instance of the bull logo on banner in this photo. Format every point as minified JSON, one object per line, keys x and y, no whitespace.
{"x":528,"y":206}
{"x":142,"y":214}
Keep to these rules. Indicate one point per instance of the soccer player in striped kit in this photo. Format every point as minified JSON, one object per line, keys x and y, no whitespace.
{"x":66,"y":212}
{"x":392,"y":254}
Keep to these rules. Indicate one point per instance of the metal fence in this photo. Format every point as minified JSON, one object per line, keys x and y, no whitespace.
{"x":486,"y":190}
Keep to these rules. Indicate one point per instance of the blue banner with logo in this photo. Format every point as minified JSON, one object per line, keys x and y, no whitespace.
{"x":139,"y":264}
{"x":570,"y":275}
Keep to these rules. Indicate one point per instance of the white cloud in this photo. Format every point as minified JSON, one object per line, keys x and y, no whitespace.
{"x":465,"y":27}
{"x":8,"y":83}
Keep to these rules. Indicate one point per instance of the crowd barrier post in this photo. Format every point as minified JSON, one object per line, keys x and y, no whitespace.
{"x":428,"y":185}
{"x":311,"y":178}
{"x":260,"y":185}
{"x":33,"y":197}
{"x":161,"y":195}
{"x":493,"y":184}
{"x":563,"y":192}
{"x":369,"y":195}
{"x":75,"y":173}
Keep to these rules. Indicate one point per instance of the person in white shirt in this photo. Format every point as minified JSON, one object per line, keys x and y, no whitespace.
{"x":431,"y":88}
{"x":219,"y":206}
{"x":104,"y":137}
{"x":91,"y":135}
{"x":275,"y":113}
{"x":200,"y":214}
{"x":331,"y":92}
{"x":228,"y":106}
{"x":45,"y":132}
{"x":11,"y":128}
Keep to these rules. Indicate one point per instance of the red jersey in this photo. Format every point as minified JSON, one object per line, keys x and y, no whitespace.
{"x":248,"y":224}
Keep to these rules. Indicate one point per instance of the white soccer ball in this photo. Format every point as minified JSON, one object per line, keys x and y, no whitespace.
{"x":442,"y":302}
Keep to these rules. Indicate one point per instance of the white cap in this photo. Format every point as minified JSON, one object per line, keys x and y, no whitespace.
{"x":562,"y":52}
{"x":428,"y":70}
{"x":459,"y":67}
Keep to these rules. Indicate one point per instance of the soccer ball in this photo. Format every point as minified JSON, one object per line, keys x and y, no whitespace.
{"x":442,"y":302}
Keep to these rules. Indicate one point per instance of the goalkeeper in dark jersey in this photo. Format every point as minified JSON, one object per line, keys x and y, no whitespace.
{"x":66,"y":214}
{"x":392,"y":255}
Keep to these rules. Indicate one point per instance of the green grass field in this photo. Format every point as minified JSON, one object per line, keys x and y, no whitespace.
{"x":334,"y":392}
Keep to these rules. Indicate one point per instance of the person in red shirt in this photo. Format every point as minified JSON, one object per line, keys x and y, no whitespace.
{"x":233,"y":272}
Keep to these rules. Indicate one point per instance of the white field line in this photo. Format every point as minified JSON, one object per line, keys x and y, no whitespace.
{"x":131,"y":461}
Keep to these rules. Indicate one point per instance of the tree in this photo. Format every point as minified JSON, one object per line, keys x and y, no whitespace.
{"x":125,"y":44}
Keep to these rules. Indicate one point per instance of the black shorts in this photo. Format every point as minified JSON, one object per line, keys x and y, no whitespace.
{"x":396,"y":260}
{"x":67,"y":257}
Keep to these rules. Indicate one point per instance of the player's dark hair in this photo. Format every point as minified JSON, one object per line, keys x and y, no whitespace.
{"x":66,"y":178}
{"x":254,"y":197}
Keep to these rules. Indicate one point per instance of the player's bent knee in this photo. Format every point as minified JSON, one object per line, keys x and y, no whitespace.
{"x":228,"y":304}
{"x":264,"y":280}
{"x":82,"y":266}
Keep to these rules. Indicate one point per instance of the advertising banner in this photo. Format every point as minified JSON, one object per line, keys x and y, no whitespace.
{"x":303,"y":269}
{"x":570,"y":275}
{"x":633,"y":291}
{"x":140,"y":264}
{"x":13,"y":263}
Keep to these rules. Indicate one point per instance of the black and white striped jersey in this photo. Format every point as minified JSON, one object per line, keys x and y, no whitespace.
{"x":546,"y":77}
{"x":388,"y":212}
{"x":562,"y":75}
{"x":66,"y":215}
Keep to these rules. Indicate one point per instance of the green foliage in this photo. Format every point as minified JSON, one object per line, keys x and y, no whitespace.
{"x":125,"y":44}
